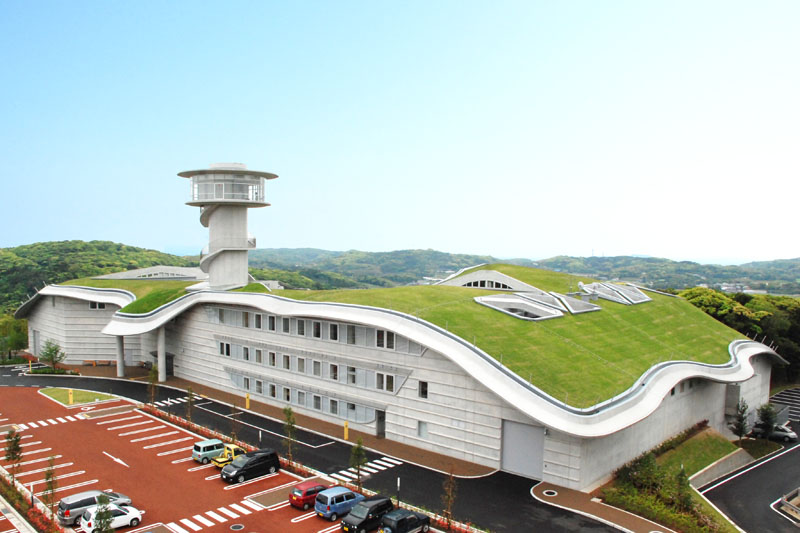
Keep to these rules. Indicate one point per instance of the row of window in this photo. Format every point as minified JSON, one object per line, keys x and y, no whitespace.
{"x":683,"y":386}
{"x":487,"y":283}
{"x":92,"y":305}
{"x":316,"y":329}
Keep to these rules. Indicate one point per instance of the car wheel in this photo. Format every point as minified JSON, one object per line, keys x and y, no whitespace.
{"x":425,"y":528}
{"x":363,"y":531}
{"x":272,"y":470}
{"x":134,"y":522}
{"x":205,"y":460}
{"x":240,"y":478}
{"x":333,"y":517}
{"x":305,"y":507}
{"x":785,"y":439}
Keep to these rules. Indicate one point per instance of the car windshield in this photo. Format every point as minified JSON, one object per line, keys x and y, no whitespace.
{"x":87,"y":515}
{"x":359,"y":511}
{"x":297,"y":492}
{"x":113,"y":495}
{"x":239,"y":461}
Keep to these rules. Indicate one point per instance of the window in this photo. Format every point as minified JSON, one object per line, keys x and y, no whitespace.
{"x":351,"y":334}
{"x":272,"y":359}
{"x":672,"y":392}
{"x":351,"y":375}
{"x":301,"y":327}
{"x":94,"y":305}
{"x":379,"y":338}
{"x":351,"y":409}
{"x":333,"y":332}
{"x":384,"y":339}
{"x":390,"y":340}
{"x":245,"y":353}
{"x":334,"y":372}
{"x":272,"y":391}
{"x":271,"y":323}
{"x":334,"y":407}
{"x":259,"y":387}
{"x":246,"y":383}
{"x":246,"y":319}
{"x":259,"y":356}
{"x":317,"y":402}
{"x":317,"y":330}
{"x":225,"y":349}
{"x":287,"y":362}
{"x":316,"y":368}
{"x":389,"y":383}
{"x":301,"y":365}
{"x":301,"y":398}
{"x":422,"y":429}
{"x":379,"y":381}
{"x":423,"y":389}
{"x":258,"y":321}
{"x":221,"y":316}
{"x":287,"y":394}
{"x":285,"y":325}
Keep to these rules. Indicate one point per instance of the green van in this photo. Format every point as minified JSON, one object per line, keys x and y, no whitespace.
{"x":205,"y":450}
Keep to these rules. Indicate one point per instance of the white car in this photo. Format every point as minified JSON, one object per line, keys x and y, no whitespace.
{"x":121,"y":516}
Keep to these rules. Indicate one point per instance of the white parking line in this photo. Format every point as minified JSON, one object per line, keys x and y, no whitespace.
{"x":191,"y":525}
{"x":302,"y":517}
{"x":118,"y":420}
{"x":179,"y":450}
{"x":254,"y":480}
{"x":239,"y":508}
{"x":40,"y":460}
{"x":71,"y":474}
{"x":140,"y":439}
{"x":203,"y":520}
{"x":62,"y":465}
{"x":329,"y":529}
{"x":277,"y":506}
{"x":160,"y":444}
{"x":132,"y":424}
{"x":196,"y":468}
{"x":228,"y":512}
{"x":176,"y":528}
{"x":136,"y":432}
{"x":26,"y":444}
{"x":70,"y":486}
{"x":209,"y":478}
{"x":176,"y":461}
{"x":216,"y":517}
{"x":37,"y":451}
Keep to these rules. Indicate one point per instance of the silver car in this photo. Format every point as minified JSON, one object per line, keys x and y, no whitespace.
{"x":72,"y":507}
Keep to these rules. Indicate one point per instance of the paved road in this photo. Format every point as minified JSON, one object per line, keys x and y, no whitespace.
{"x":499,"y":502}
{"x":747,"y":494}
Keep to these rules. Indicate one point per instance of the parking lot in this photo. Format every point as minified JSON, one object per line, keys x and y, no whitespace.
{"x":112,"y":446}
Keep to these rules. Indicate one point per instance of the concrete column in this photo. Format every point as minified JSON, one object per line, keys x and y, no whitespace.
{"x":162,"y":355}
{"x":120,"y":356}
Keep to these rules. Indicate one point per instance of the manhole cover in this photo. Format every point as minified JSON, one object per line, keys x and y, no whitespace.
{"x":550,"y":493}
{"x":237,"y":527}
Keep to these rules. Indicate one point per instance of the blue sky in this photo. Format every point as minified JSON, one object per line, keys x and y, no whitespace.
{"x":516,"y":129}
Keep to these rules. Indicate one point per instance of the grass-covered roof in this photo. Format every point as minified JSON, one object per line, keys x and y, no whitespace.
{"x":150,"y":294}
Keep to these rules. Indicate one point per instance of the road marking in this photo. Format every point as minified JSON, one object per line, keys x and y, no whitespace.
{"x":179,"y":450}
{"x":176,"y":461}
{"x":76,"y":485}
{"x":341,"y":478}
{"x":378,"y":461}
{"x":63,"y":421}
{"x":196,"y":468}
{"x":253,"y":505}
{"x":277,"y":506}
{"x":373,"y":465}
{"x":31,"y":424}
{"x":160,"y":444}
{"x":22,"y":427}
{"x":118,"y":420}
{"x":228,"y":512}
{"x":71,"y":474}
{"x":749,"y":469}
{"x":151,"y":436}
{"x":329,"y":529}
{"x":393,"y":461}
{"x":26,"y":444}
{"x":136,"y":432}
{"x":38,"y":451}
{"x":191,"y":525}
{"x":176,"y":528}
{"x":41,"y":422}
{"x":160,"y":404}
{"x":209,"y":478}
{"x":130,"y":425}
{"x":40,"y":460}
{"x":348,"y":474}
{"x":370,"y":470}
{"x":254,"y":480}
{"x":302,"y":517}
{"x":70,"y":418}
{"x":203,"y":520}
{"x":120,"y":461}
{"x":52,"y":421}
{"x":216,"y":517}
{"x":62,"y":465}
{"x":239,"y":508}
{"x":182,"y":400}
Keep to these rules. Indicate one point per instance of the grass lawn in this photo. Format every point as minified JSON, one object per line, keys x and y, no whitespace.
{"x":150,"y":294}
{"x":697,"y":453}
{"x":78,"y":396}
{"x":760,"y":447}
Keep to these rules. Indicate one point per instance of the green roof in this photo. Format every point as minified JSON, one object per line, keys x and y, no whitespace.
{"x":579,"y":359}
{"x":150,"y":294}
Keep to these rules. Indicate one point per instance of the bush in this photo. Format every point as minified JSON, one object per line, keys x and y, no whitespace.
{"x":14,"y":361}
{"x":54,"y":371}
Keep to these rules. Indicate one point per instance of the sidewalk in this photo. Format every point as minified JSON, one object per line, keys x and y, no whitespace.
{"x":14,"y":518}
{"x":583,"y":503}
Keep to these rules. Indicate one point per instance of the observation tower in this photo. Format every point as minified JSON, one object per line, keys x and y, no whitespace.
{"x":224,"y":192}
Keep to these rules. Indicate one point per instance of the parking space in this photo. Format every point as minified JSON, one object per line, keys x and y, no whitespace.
{"x":112,"y":446}
{"x":790,"y":397}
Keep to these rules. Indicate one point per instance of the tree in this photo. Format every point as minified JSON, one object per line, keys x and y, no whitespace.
{"x":683,"y":491}
{"x":50,"y":484}
{"x":740,"y":426}
{"x":358,"y":458}
{"x":767,"y":418}
{"x":449,"y":497}
{"x":152,"y":380}
{"x":234,"y":423}
{"x":52,"y":354}
{"x":102,"y":520}
{"x":189,"y":403}
{"x":290,"y":428}
{"x":13,"y":450}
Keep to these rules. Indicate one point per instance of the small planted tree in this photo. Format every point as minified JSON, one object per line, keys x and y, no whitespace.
{"x":234,"y":423}
{"x":290,"y":428}
{"x":52,"y":354}
{"x":767,"y":418}
{"x":358,"y":458}
{"x":50,"y":484}
{"x":449,"y":497}
{"x":189,"y":403}
{"x":103,"y":517}
{"x":13,"y":451}
{"x":739,"y":426}
{"x":152,"y":380}
{"x":683,"y":491}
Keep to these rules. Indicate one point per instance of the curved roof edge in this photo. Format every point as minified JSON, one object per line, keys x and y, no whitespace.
{"x":118,"y":297}
{"x":605,"y":418}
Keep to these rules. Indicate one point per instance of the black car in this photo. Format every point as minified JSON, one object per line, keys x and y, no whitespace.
{"x":250,"y":465}
{"x":405,"y":521}
{"x":367,"y":514}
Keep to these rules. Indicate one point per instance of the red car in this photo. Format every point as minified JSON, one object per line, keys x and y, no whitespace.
{"x":303,"y":495}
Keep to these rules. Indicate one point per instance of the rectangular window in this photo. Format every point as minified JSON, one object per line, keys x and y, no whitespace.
{"x":287,"y":394}
{"x":287,"y":362}
{"x":351,"y":409}
{"x":258,"y":321}
{"x":301,"y":398}
{"x":301,"y":365}
{"x":285,"y":323}
{"x":423,"y":389}
{"x":379,"y":338}
{"x":316,"y":368}
{"x":317,"y":402}
{"x":271,"y":323}
{"x":389,"y":383}
{"x":334,"y":372}
{"x":259,"y":387}
{"x":351,"y":334}
{"x":317,"y":331}
{"x":246,"y":383}
{"x":422,"y":429}
{"x":225,"y":349}
{"x":379,"y":381}
{"x":272,"y":361}
{"x":245,"y":353}
{"x":334,"y":407}
{"x":246,"y":319}
{"x":351,"y":375}
{"x":259,"y":356}
{"x":97,"y":305}
{"x":301,"y":327}
{"x":272,"y":391}
{"x":333,"y":332}
{"x":390,"y":340}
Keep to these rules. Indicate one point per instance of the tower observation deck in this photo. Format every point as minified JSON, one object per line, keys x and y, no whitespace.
{"x":224,"y":192}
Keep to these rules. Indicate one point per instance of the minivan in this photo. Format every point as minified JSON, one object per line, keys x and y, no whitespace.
{"x":250,"y":465}
{"x":367,"y":514}
{"x":335,"y":502}
{"x":72,"y":507}
{"x":205,"y":450}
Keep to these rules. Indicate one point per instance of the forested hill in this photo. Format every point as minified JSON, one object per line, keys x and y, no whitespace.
{"x":25,"y":268}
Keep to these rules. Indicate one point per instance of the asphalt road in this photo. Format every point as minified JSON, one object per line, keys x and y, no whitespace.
{"x":499,"y":502}
{"x":747,"y":494}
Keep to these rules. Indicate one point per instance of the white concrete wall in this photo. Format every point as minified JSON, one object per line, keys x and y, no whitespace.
{"x":227,"y":228}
